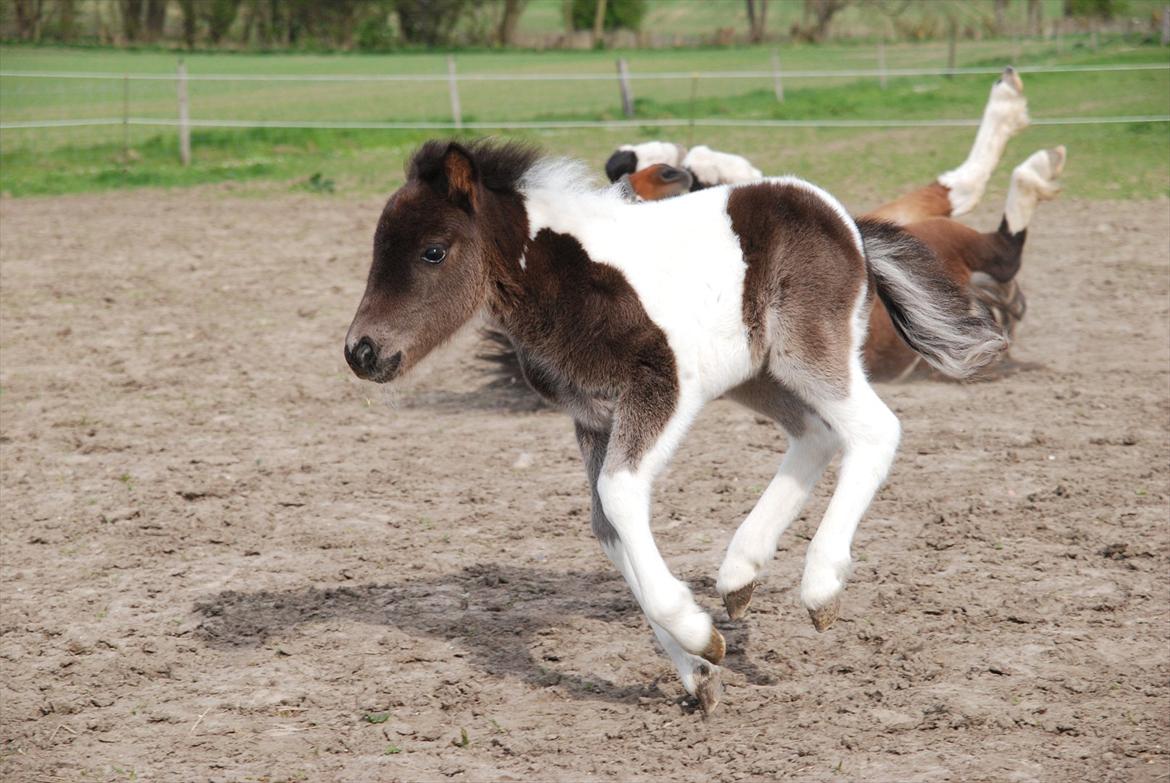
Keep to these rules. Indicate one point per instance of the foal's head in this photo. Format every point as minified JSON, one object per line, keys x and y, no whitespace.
{"x":439,"y":236}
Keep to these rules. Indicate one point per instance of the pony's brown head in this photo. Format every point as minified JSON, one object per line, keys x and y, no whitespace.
{"x":434,"y":248}
{"x":660,"y":181}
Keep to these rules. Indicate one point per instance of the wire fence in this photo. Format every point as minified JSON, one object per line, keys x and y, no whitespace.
{"x":44,"y":110}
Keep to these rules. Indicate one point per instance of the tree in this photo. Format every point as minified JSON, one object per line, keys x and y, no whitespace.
{"x":615,"y":14}
{"x":131,"y":11}
{"x":220,"y":15}
{"x":1000,"y":16}
{"x":1035,"y":17}
{"x":190,"y":21}
{"x":1101,"y":9}
{"x":817,"y":16}
{"x":513,"y":9}
{"x":428,"y":22}
{"x":156,"y":19}
{"x":598,"y":21}
{"x":29,"y":14}
{"x":757,"y":11}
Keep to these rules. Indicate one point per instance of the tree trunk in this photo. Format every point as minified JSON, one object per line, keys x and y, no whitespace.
{"x":187,"y":7}
{"x":1001,"y":16}
{"x":156,"y":19}
{"x":506,"y":34}
{"x":1035,"y":17}
{"x":757,"y":20}
{"x":28,"y":19}
{"x":821,"y":12}
{"x":68,"y":19}
{"x":131,"y":19}
{"x":599,"y":22}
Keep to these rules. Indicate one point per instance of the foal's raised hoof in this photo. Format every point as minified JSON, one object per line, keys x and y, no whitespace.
{"x":827,"y":615}
{"x":716,"y":648}
{"x":708,"y":689}
{"x":738,"y":601}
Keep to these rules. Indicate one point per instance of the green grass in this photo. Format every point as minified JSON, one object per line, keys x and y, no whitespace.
{"x":1121,"y":161}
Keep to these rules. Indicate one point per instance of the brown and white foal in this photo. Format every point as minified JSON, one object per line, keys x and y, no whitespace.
{"x":633,"y":316}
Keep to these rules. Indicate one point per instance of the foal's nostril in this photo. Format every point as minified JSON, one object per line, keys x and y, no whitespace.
{"x":363,"y":357}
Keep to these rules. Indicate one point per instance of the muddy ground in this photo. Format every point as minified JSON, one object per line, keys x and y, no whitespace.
{"x":225,"y":558}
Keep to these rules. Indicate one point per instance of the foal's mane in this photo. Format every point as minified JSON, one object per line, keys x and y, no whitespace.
{"x":502,"y":165}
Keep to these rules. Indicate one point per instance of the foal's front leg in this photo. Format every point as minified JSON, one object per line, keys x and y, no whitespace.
{"x":699,"y":677}
{"x":637,"y":450}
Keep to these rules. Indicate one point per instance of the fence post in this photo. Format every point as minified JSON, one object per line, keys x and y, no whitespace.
{"x":624,"y":83}
{"x":777,"y":82}
{"x":453,"y":88}
{"x":952,"y":46}
{"x":1166,"y":25}
{"x":184,"y":117}
{"x":882,"y":62}
{"x":1093,"y":33}
{"x":125,"y":118}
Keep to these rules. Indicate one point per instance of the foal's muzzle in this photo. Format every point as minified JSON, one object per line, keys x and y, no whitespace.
{"x":364,"y":360}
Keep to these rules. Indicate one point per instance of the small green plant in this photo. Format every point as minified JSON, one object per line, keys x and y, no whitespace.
{"x":376,"y":717}
{"x":463,"y":740}
{"x":391,"y":750}
{"x":319,"y":183}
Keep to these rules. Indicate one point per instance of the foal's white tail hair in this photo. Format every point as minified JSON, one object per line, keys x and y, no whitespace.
{"x":929,"y":311}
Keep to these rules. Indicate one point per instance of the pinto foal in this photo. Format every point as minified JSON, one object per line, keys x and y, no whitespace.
{"x":633,"y":316}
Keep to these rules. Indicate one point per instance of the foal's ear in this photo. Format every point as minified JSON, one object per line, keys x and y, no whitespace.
{"x":462,"y":177}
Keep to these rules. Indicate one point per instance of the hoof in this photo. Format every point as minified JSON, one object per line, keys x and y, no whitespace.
{"x":708,"y":689}
{"x":716,"y":648}
{"x":1012,"y":77}
{"x":738,"y":601}
{"x":824,"y":617}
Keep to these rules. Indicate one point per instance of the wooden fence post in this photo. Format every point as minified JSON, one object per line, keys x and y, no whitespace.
{"x":125,"y":118}
{"x":624,"y":83}
{"x":952,"y":46}
{"x":882,"y":62}
{"x":777,"y":82}
{"x":453,"y":88}
{"x":184,"y":117}
{"x":1166,"y":25}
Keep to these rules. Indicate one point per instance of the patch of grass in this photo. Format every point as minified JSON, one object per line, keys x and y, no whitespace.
{"x":392,"y":750}
{"x":376,"y":717}
{"x":1108,"y":161}
{"x":463,"y":740}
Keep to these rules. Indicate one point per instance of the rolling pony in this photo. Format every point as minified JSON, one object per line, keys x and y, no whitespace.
{"x":631,"y":317}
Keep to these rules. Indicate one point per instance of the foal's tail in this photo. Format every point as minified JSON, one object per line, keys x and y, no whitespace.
{"x":930,"y":311}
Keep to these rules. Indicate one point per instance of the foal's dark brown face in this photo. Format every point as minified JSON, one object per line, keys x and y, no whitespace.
{"x":428,"y":275}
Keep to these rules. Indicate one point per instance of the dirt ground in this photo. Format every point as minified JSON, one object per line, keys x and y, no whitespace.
{"x":225,"y":558}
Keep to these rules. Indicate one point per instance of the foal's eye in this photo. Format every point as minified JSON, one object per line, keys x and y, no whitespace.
{"x":668,"y":174}
{"x":434,"y":254}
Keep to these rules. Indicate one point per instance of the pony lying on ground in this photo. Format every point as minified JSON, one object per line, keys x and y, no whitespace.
{"x":633,"y":316}
{"x":984,"y":263}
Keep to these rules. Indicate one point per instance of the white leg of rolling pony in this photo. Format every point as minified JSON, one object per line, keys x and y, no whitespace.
{"x":1006,"y":115}
{"x":1033,"y":181}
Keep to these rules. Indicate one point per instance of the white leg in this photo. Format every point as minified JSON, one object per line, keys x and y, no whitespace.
{"x":754,"y":543}
{"x":624,"y":492}
{"x":869,"y":432}
{"x":699,"y":677}
{"x":1033,"y":181}
{"x":1005,"y":116}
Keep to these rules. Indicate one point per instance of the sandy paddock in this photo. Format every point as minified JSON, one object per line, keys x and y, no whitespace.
{"x":225,"y":558}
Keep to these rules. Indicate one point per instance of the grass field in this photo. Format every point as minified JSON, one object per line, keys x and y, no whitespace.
{"x":47,"y":161}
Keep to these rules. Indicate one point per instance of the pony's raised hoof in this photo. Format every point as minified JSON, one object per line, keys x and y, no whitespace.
{"x":716,"y":648}
{"x":708,"y":688}
{"x":824,"y":617}
{"x":1011,"y":77}
{"x":738,"y":601}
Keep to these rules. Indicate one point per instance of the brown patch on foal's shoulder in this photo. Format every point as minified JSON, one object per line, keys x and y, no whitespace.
{"x":804,"y":274}
{"x":592,"y":338}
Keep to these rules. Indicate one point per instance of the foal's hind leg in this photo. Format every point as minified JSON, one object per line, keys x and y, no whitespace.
{"x":811,"y":446}
{"x":869,"y":432}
